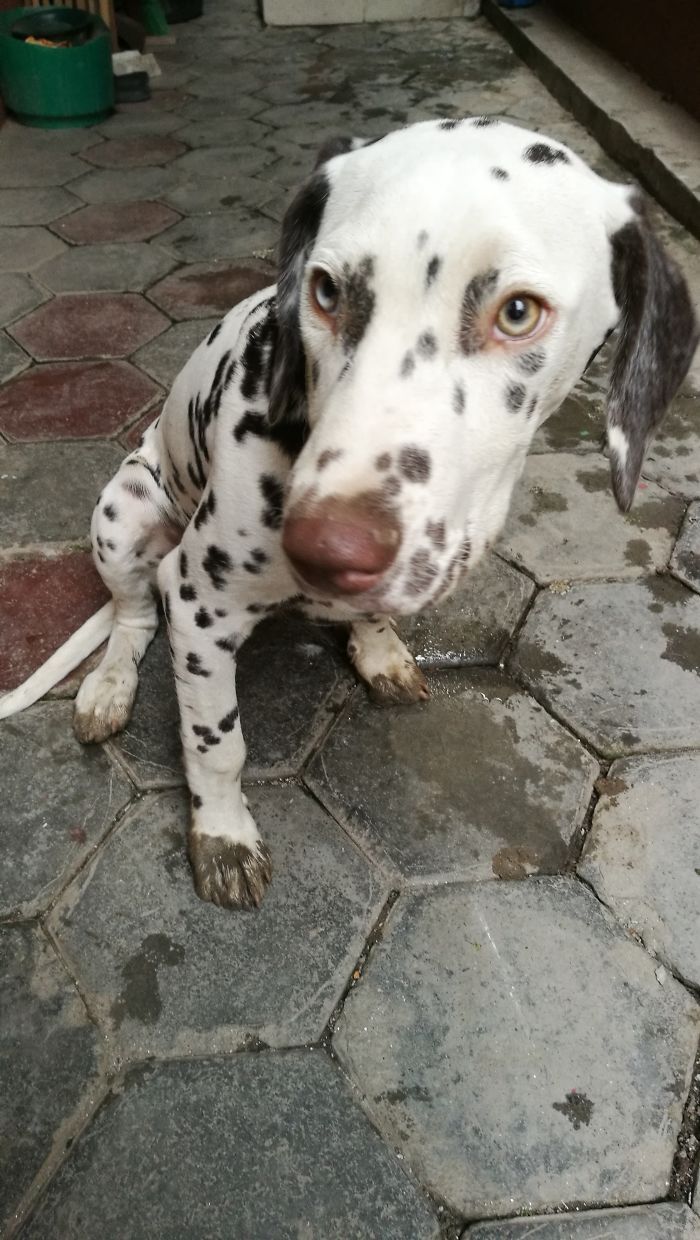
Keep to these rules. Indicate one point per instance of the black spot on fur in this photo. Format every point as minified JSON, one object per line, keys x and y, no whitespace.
{"x":228,"y":723}
{"x":315,"y":372}
{"x":423,"y":572}
{"x":202,"y":618}
{"x":408,"y":365}
{"x":357,"y":306}
{"x":166,"y":606}
{"x":515,"y":396}
{"x":432,"y":270}
{"x":206,"y":509}
{"x":111,"y":546}
{"x":188,"y":594}
{"x":436,"y":533}
{"x":531,"y":362}
{"x":216,"y":563}
{"x":194,"y":665}
{"x":383,"y":461}
{"x":450,"y":124}
{"x":229,"y":644}
{"x":139,"y":490}
{"x":476,"y":295}
{"x":213,"y":333}
{"x":110,"y":512}
{"x":197,"y":801}
{"x":500,"y":174}
{"x":391,"y":486}
{"x":183,"y":564}
{"x":480,"y":122}
{"x":531,"y":407}
{"x":256,"y":562}
{"x":542,"y":153}
{"x":459,"y":399}
{"x":414,"y":464}
{"x":206,"y":734}
{"x":289,"y":436}
{"x":328,"y":455}
{"x":273,"y":494}
{"x":427,"y":345}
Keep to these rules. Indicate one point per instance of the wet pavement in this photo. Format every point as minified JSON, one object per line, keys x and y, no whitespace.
{"x":472,"y":991}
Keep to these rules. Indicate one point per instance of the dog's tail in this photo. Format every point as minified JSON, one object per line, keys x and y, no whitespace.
{"x":82,"y":643}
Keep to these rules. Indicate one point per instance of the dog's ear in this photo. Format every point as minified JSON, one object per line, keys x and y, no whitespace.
{"x":299,"y":228}
{"x":657,"y":336}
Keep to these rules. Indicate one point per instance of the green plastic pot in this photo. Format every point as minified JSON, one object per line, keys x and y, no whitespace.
{"x":56,"y":87}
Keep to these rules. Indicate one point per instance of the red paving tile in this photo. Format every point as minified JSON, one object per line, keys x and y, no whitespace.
{"x":122,"y":221}
{"x":42,"y":601}
{"x":202,"y":290}
{"x":73,"y":400}
{"x":139,"y":152}
{"x":89,"y":325}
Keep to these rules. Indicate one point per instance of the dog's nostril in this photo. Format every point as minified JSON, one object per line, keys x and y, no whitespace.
{"x":341,"y":545}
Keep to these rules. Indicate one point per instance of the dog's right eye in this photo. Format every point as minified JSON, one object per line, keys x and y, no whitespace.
{"x":325,"y":293}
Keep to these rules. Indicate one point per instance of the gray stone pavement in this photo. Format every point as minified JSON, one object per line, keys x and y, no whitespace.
{"x":469,"y":1005}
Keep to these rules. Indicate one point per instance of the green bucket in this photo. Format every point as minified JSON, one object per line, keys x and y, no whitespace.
{"x":56,"y":87}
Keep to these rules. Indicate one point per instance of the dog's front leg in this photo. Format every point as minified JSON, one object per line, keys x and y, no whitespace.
{"x":231,"y":863}
{"x":382,"y":660}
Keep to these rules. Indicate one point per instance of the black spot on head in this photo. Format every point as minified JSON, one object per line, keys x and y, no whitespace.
{"x":531,"y":362}
{"x":183,"y":564}
{"x":383,"y":461}
{"x":391,"y":486}
{"x":432,"y":269}
{"x":328,"y":455}
{"x":426,"y":345}
{"x":481,"y":122}
{"x":542,"y":153}
{"x":476,"y":295}
{"x":273,"y":494}
{"x":100,"y":543}
{"x":450,"y":124}
{"x":194,"y":665}
{"x":500,"y":174}
{"x":188,"y":594}
{"x":408,"y":365}
{"x":228,"y":723}
{"x":414,"y":464}
{"x":458,"y":398}
{"x":216,"y":563}
{"x":515,"y":395}
{"x":213,"y":334}
{"x":202,"y":618}
{"x":422,"y":570}
{"x":357,"y":306}
{"x":110,"y":512}
{"x":436,"y":533}
{"x":111,"y":546}
{"x":196,"y":801}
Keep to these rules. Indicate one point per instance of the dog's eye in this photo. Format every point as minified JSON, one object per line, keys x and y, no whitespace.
{"x":325,"y":293}
{"x":519,"y":315}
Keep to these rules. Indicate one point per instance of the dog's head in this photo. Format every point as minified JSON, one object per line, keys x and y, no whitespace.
{"x":441,"y":291}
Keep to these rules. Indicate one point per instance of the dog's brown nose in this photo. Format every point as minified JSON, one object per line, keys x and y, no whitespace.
{"x":342,"y":545}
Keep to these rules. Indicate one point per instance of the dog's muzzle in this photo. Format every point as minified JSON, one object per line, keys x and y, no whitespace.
{"x":342,"y":546}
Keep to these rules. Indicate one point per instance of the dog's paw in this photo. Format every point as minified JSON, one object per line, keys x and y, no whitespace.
{"x":104,"y":703}
{"x":400,"y":687}
{"x":227,"y":873}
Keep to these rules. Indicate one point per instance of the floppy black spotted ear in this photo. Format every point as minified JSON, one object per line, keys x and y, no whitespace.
{"x":657,"y":336}
{"x":299,"y":228}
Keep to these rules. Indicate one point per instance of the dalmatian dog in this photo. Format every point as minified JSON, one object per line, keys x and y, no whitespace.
{"x":348,"y":440}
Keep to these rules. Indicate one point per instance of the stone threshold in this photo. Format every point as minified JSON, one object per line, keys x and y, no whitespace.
{"x":657,"y":141}
{"x":348,"y":12}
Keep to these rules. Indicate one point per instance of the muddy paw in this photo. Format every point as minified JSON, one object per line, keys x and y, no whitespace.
{"x":229,"y":874}
{"x":399,"y":690}
{"x":103,"y":705}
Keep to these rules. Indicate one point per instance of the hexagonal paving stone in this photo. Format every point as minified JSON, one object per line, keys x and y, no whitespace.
{"x":169,"y":973}
{"x":210,"y":238}
{"x":272,"y":1145}
{"x":669,"y":1221}
{"x":17,"y":296}
{"x":578,"y":426}
{"x":35,"y":206}
{"x":141,"y":151}
{"x":130,"y":221}
{"x":89,"y":325}
{"x":43,"y":599}
{"x":478,"y":782}
{"x":111,"y":186}
{"x":619,"y":661}
{"x":643,"y":854}
{"x":12,"y":359}
{"x":474,"y":625}
{"x":118,"y":267}
{"x":222,"y":131}
{"x":222,"y":162}
{"x":291,"y":678}
{"x":204,"y":195}
{"x":59,"y":800}
{"x":24,"y":168}
{"x":673,"y":458}
{"x":22,"y":249}
{"x":199,"y":291}
{"x":685,"y":560}
{"x":525,"y":1002}
{"x":165,"y":356}
{"x":47,"y":1057}
{"x":565,"y":525}
{"x":74,"y":400}
{"x":48,"y":490}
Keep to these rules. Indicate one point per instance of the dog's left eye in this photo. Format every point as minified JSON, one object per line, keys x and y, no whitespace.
{"x":325,"y":292}
{"x":519,"y":315}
